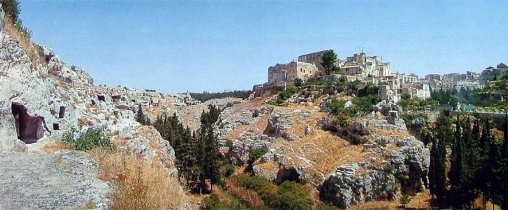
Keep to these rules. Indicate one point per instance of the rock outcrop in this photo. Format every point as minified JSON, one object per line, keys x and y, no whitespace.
{"x":371,"y":158}
{"x":401,"y":169}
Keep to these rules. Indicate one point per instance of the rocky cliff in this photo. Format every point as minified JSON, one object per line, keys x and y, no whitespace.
{"x":43,"y":99}
{"x":368,"y":159}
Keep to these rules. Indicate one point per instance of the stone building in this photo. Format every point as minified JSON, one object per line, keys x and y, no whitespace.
{"x":386,"y":92}
{"x":490,"y":73}
{"x":366,"y":66}
{"x":314,"y":58}
{"x":418,"y":90}
{"x":432,"y":77}
{"x":409,"y":78}
{"x":452,"y":77}
{"x":468,"y":85}
{"x":281,"y":75}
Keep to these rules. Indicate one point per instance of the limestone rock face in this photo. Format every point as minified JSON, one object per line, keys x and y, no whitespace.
{"x":248,"y":121}
{"x":279,"y":122}
{"x":404,"y":170}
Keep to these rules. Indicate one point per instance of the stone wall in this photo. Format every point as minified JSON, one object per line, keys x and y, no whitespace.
{"x":281,"y":75}
{"x":314,"y":58}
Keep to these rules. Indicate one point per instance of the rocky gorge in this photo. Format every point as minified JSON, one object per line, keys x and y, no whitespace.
{"x":43,"y":99}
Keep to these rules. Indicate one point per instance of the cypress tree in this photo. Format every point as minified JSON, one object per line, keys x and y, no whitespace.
{"x":485,"y":138}
{"x":441,"y":172}
{"x":484,"y":175}
{"x":443,"y":135}
{"x":211,"y":169}
{"x":469,"y":170}
{"x":140,"y":117}
{"x":433,"y":168}
{"x":503,"y":173}
{"x":455,"y":173}
{"x":493,"y":169}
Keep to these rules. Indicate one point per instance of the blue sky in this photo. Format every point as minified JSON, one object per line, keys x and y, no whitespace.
{"x":175,"y":46}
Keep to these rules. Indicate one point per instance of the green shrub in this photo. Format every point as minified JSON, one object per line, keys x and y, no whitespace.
{"x":360,"y":107}
{"x":265,"y":188}
{"x":284,"y":95}
{"x":288,"y":195}
{"x":405,"y":199}
{"x":210,"y":202}
{"x":256,"y":154}
{"x":335,"y":106}
{"x":213,"y":202}
{"x":230,"y":169}
{"x":88,"y":140}
{"x":298,"y":82}
{"x":294,"y":196}
{"x":369,"y":89}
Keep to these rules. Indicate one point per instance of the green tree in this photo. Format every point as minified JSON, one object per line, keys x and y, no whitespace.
{"x":212,"y":156}
{"x":437,"y":178}
{"x":298,"y":82}
{"x":457,"y":175}
{"x":329,"y":61}
{"x":140,"y":116}
{"x":503,"y":172}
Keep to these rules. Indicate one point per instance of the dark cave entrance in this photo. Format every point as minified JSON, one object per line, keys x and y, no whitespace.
{"x":289,"y":174}
{"x":29,"y":129}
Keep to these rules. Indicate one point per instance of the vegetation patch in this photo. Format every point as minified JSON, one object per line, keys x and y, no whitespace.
{"x":256,"y":154}
{"x":88,"y":140}
{"x":288,"y":195}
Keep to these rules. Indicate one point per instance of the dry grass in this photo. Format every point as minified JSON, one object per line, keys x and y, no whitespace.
{"x":58,"y":145}
{"x":138,"y":185}
{"x":376,"y":205}
{"x":421,"y":200}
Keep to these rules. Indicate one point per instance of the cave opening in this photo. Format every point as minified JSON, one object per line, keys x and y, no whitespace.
{"x":29,"y":129}
{"x":289,"y":174}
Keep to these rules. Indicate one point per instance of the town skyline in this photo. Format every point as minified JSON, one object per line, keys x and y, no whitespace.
{"x":213,"y":46}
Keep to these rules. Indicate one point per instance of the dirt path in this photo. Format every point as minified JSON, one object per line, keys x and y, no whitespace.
{"x":60,"y":180}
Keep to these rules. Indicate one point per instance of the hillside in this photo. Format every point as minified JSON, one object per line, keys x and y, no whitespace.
{"x":305,"y":145}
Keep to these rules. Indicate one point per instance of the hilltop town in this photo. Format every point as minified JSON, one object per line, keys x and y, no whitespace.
{"x":371,"y":69}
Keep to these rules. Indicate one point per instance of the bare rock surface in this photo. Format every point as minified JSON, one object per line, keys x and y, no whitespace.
{"x":62,"y":180}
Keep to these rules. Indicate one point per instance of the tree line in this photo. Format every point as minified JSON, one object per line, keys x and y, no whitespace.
{"x":478,"y":162}
{"x":197,"y":153}
{"x":205,"y":96}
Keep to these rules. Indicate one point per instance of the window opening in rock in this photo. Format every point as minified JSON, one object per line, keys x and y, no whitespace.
{"x":61,"y":114}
